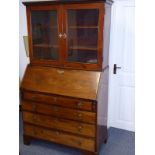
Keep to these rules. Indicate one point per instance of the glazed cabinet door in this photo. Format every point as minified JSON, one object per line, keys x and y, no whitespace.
{"x":44,"y":28}
{"x":83,"y":30}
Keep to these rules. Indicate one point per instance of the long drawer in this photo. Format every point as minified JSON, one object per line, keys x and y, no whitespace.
{"x":60,"y":124}
{"x":73,"y":114}
{"x":59,"y":100}
{"x":60,"y":137}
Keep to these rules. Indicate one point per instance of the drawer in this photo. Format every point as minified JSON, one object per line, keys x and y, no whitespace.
{"x":60,"y":124}
{"x":59,"y":137}
{"x":73,"y":114}
{"x":61,"y":101}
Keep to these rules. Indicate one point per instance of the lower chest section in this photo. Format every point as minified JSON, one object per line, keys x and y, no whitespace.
{"x":63,"y":120}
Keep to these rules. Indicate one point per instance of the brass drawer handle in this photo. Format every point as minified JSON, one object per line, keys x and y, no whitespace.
{"x":57,"y":133}
{"x":79,"y":104}
{"x":65,"y":35}
{"x":80,"y":128}
{"x":34,"y":118}
{"x":60,"y":35}
{"x":33,"y":96}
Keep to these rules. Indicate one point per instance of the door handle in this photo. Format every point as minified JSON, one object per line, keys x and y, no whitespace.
{"x":60,"y":35}
{"x":115,"y":69}
{"x":64,"y":35}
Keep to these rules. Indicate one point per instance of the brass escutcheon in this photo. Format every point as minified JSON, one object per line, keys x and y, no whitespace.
{"x":60,"y":71}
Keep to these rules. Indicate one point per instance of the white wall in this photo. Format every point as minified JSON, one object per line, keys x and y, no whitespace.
{"x":23,"y":59}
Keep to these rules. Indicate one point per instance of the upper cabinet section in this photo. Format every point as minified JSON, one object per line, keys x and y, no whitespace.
{"x":66,"y":35}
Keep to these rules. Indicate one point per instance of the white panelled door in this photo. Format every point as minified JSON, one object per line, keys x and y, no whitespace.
{"x":121,"y":91}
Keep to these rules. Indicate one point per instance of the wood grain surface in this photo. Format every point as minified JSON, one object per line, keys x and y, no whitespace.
{"x":73,"y":83}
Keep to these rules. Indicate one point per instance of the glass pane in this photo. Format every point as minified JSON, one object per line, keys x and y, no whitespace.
{"x":83,"y":17}
{"x":44,"y":35}
{"x":83,"y":35}
{"x":82,"y":56}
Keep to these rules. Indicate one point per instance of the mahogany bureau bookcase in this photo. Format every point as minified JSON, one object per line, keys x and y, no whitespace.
{"x":64,"y":91}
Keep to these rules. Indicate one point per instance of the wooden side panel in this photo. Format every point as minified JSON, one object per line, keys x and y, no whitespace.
{"x":102,"y":109}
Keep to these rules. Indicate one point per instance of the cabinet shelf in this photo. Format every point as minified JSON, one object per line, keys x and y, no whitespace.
{"x":83,"y":27}
{"x":47,"y":27}
{"x":83,"y":48}
{"x":45,"y":46}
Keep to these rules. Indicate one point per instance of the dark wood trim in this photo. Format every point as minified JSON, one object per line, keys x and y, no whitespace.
{"x":102,"y":136}
{"x":96,"y":128}
{"x":20,"y":108}
{"x":26,"y":140}
{"x":29,"y":32}
{"x":69,"y":66}
{"x":89,"y":153}
{"x":23,"y":89}
{"x":100,"y":35}
{"x":28,"y":3}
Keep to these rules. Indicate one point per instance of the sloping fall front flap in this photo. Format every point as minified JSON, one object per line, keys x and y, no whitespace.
{"x":72,"y":83}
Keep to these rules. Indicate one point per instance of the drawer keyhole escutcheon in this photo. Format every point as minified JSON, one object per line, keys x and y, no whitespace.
{"x":80,"y":115}
{"x":34,"y":107}
{"x":57,"y":133}
{"x":34,"y":118}
{"x":60,"y":71}
{"x":55,"y":99}
{"x":33,"y":97}
{"x":80,"y":128}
